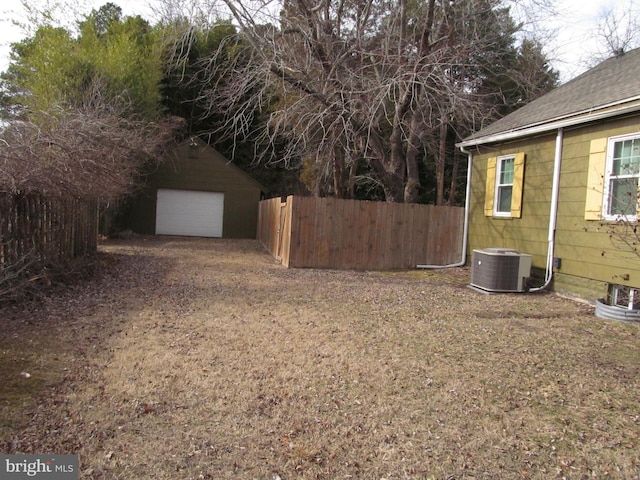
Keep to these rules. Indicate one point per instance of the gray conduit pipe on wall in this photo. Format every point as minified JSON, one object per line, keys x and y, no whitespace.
{"x":553,"y":212}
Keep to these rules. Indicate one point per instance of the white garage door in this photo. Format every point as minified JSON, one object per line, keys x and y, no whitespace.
{"x":194,"y":214}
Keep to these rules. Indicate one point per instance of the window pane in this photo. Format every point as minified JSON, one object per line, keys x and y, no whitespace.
{"x":504,"y":199}
{"x":626,"y":157}
{"x":624,"y":196}
{"x":620,"y":148}
{"x":506,"y":171}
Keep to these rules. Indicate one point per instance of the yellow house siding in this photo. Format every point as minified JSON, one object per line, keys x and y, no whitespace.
{"x":528,"y":233}
{"x":584,"y":245}
{"x":578,"y":287}
{"x":589,"y":259}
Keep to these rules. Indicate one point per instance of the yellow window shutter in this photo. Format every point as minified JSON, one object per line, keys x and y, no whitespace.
{"x":595,"y":179}
{"x":518,"y":180}
{"x":490,"y":187}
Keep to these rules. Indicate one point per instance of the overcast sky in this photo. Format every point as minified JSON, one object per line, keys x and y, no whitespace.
{"x":577,"y":44}
{"x":575,"y":36}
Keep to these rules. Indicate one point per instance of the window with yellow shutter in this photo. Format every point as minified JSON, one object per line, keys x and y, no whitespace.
{"x":505,"y":176}
{"x":504,"y":186}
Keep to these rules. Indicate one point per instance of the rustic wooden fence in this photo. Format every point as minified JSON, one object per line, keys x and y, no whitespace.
{"x":354,"y":234}
{"x":35,"y":229}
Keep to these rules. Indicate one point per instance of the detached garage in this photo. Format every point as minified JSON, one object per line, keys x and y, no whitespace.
{"x":196,"y":192}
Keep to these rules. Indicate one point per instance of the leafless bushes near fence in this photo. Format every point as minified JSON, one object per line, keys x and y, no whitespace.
{"x":52,"y":229}
{"x":38,"y":235}
{"x":53,"y":173}
{"x":346,"y":234}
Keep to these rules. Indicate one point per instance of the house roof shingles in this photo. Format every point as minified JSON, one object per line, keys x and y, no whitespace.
{"x":614,"y":81}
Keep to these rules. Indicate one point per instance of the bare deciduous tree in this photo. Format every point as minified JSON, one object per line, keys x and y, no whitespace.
{"x":92,"y":153}
{"x":618,"y":29}
{"x":369,"y":90}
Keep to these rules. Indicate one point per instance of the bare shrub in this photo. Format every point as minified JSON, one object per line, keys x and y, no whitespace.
{"x":86,"y":154}
{"x":68,"y":157}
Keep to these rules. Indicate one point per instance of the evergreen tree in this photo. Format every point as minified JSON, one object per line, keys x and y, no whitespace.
{"x":113,"y":60}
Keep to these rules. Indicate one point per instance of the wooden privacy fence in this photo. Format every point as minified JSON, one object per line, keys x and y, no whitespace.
{"x":37,"y":229}
{"x":354,"y":234}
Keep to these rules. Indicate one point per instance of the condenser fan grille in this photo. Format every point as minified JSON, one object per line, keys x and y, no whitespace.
{"x":500,"y":270}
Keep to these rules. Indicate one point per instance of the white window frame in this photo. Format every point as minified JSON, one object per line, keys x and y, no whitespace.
{"x":498,"y":185}
{"x":607,"y":202}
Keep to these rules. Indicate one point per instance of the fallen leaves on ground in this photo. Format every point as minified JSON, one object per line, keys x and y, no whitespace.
{"x":205,"y":358}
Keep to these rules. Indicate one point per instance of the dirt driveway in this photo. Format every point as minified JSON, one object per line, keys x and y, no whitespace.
{"x":206,"y":359}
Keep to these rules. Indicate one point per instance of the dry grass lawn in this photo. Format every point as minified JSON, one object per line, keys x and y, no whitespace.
{"x":206,"y":359}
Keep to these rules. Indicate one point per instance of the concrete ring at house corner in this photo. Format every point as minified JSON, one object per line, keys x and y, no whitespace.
{"x":615,"y":312}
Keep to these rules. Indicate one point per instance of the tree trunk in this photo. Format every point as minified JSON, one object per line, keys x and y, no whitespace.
{"x":351,"y":186}
{"x":440,"y":163}
{"x":338,"y":168}
{"x":412,"y":184}
{"x":387,"y":170}
{"x":453,"y":190}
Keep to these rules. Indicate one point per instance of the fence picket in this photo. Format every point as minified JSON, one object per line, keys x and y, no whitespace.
{"x":34,"y":228}
{"x":344,"y":234}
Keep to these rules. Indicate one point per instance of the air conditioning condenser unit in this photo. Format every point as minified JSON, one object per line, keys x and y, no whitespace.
{"x":500,"y":270}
